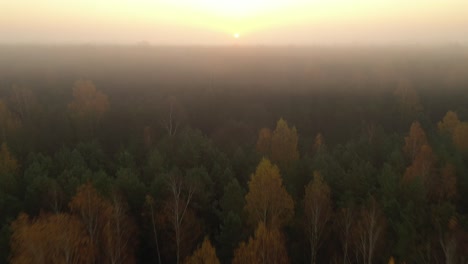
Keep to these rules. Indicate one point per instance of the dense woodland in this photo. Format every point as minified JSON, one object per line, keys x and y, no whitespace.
{"x":233,"y":154}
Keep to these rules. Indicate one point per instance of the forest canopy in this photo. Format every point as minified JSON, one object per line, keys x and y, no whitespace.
{"x":233,"y":155}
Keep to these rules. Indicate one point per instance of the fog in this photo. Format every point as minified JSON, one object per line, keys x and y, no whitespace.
{"x":242,"y":76}
{"x":237,"y":67}
{"x":207,"y":22}
{"x":164,"y":131}
{"x":130,"y":121}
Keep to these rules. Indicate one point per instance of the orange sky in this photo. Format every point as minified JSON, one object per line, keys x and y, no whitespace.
{"x":215,"y":22}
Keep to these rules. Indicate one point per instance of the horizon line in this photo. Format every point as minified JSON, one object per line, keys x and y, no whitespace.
{"x":155,"y":45}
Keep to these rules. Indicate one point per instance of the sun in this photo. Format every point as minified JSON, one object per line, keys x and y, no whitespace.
{"x":236,"y":35}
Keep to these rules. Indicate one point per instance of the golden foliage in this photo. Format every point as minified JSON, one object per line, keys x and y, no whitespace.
{"x":319,"y":142}
{"x":267,"y":200}
{"x":447,"y":186}
{"x":59,"y":238}
{"x":119,"y":234}
{"x":8,"y":163}
{"x":110,"y":229}
{"x":414,"y":141}
{"x":460,"y":136}
{"x":206,"y":254}
{"x":280,"y":146}
{"x":422,"y":166}
{"x":267,"y":247}
{"x":317,"y":209}
{"x":92,"y":209}
{"x":88,"y":101}
{"x":452,"y":126}
{"x":246,"y":253}
{"x":317,"y":191}
{"x":448,"y":123}
{"x":284,"y":144}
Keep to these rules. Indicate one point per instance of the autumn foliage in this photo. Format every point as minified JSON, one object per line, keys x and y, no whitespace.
{"x":456,"y":129}
{"x":150,"y":185}
{"x":96,"y":231}
{"x":88,"y":106}
{"x":422,"y":166}
{"x":449,"y":123}
{"x":460,"y":137}
{"x":59,"y":238}
{"x":284,"y":144}
{"x":206,"y":254}
{"x":414,"y":141}
{"x":88,"y":101}
{"x":447,"y":184}
{"x":8,"y":164}
{"x":318,"y":209}
{"x":267,"y":200}
{"x":280,"y":146}
{"x":267,"y":246}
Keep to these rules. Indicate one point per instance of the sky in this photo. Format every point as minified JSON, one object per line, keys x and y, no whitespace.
{"x":217,"y":22}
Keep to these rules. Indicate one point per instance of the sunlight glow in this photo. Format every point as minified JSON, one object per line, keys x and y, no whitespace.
{"x":214,"y":21}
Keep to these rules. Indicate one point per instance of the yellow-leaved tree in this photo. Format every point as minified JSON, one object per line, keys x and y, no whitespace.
{"x":110,"y":230}
{"x":319,"y":143}
{"x":266,"y":247}
{"x":8,"y":163}
{"x":89,"y":105}
{"x":267,"y":200}
{"x":446,"y":187}
{"x":92,"y":210}
{"x":284,"y":144}
{"x":422,"y":166}
{"x":414,"y":141}
{"x":460,"y":137}
{"x":458,"y":130}
{"x":206,"y":254}
{"x":57,"y":238}
{"x":317,"y":210}
{"x":448,"y":123}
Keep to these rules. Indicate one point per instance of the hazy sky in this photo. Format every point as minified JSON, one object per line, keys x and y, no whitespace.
{"x":216,"y":21}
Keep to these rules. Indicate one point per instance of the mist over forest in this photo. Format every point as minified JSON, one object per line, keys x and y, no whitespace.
{"x":233,"y":154}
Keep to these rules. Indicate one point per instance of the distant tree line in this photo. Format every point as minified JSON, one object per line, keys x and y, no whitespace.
{"x":84,"y":182}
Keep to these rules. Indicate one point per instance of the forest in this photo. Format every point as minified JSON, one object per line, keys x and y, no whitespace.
{"x":233,"y":154}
